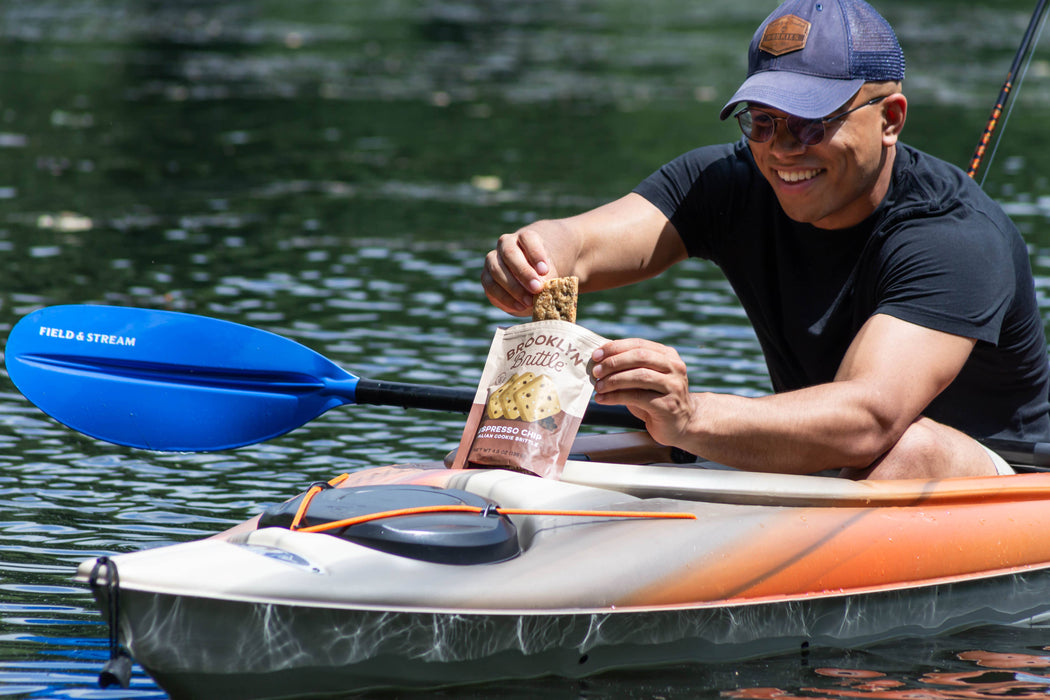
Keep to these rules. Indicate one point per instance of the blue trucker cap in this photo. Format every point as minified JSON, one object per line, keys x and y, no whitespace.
{"x":810,"y":57}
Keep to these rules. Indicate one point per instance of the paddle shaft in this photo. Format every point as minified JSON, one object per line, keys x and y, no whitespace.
{"x":383,"y":393}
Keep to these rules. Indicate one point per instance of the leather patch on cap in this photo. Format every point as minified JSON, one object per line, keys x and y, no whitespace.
{"x":784,"y":35}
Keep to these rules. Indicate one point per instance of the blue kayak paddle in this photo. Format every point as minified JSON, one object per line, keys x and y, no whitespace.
{"x":163,"y":380}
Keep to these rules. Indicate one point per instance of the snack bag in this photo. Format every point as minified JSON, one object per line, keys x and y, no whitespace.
{"x":530,"y":402}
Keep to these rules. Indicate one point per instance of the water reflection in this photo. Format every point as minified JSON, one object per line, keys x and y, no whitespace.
{"x":996,"y":675}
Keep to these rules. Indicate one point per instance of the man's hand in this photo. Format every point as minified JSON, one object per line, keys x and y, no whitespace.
{"x":650,"y":379}
{"x":618,"y":243}
{"x":515,"y":270}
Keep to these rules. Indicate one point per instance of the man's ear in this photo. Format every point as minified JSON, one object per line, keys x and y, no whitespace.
{"x":894,"y":113}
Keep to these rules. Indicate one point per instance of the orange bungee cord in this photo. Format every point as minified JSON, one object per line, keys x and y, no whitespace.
{"x":300,"y":513}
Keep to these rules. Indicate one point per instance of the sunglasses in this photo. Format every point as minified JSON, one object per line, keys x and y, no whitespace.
{"x":758,"y":126}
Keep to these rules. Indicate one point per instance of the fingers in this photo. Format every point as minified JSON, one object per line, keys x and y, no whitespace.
{"x":635,"y":364}
{"x":514,"y":271}
{"x":650,"y":380}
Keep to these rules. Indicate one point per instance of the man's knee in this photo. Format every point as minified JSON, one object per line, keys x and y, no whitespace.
{"x":931,"y":450}
{"x":915,"y":454}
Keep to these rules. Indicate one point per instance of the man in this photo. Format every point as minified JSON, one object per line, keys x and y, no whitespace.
{"x":893,"y":300}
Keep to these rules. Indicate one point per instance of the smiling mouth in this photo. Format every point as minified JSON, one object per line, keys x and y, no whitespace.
{"x":797,"y":175}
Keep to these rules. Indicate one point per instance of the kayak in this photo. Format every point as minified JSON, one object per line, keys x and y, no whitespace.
{"x":417,"y":575}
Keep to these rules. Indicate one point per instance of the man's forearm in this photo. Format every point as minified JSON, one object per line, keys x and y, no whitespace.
{"x":798,"y":432}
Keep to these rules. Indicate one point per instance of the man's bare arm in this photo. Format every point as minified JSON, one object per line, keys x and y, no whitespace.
{"x":625,"y":241}
{"x":891,"y":372}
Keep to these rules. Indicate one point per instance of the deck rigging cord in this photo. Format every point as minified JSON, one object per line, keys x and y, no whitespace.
{"x":1024,"y":55}
{"x":304,"y":506}
{"x":495,"y":510}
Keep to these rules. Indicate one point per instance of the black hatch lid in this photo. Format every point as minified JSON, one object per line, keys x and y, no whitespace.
{"x":444,"y":538}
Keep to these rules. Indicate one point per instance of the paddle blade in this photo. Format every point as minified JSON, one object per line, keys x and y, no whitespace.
{"x":162,"y":380}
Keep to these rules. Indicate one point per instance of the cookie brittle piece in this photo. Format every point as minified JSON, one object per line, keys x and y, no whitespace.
{"x":557,"y":300}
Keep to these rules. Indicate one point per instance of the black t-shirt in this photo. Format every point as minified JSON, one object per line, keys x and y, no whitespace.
{"x":938,"y":252}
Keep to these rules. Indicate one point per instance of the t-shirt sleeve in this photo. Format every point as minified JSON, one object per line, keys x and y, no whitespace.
{"x":696,"y":190}
{"x":946,"y":274}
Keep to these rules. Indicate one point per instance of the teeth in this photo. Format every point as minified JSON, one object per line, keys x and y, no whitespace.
{"x":797,"y":175}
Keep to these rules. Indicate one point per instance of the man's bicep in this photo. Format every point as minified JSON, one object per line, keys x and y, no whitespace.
{"x":903,"y":365}
{"x":625,"y":241}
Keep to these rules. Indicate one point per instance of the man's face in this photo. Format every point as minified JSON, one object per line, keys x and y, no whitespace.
{"x":838,"y":182}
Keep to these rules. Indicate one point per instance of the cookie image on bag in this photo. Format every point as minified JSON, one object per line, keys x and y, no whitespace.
{"x":538,"y":399}
{"x":507,"y":402}
{"x":494,"y":407}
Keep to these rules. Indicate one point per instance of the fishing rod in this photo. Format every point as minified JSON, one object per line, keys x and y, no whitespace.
{"x":1028,"y":41}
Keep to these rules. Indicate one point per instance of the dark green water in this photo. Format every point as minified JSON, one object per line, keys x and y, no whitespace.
{"x":334,"y":171}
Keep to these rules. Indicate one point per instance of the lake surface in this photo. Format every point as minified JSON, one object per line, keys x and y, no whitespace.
{"x":334,"y":171}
